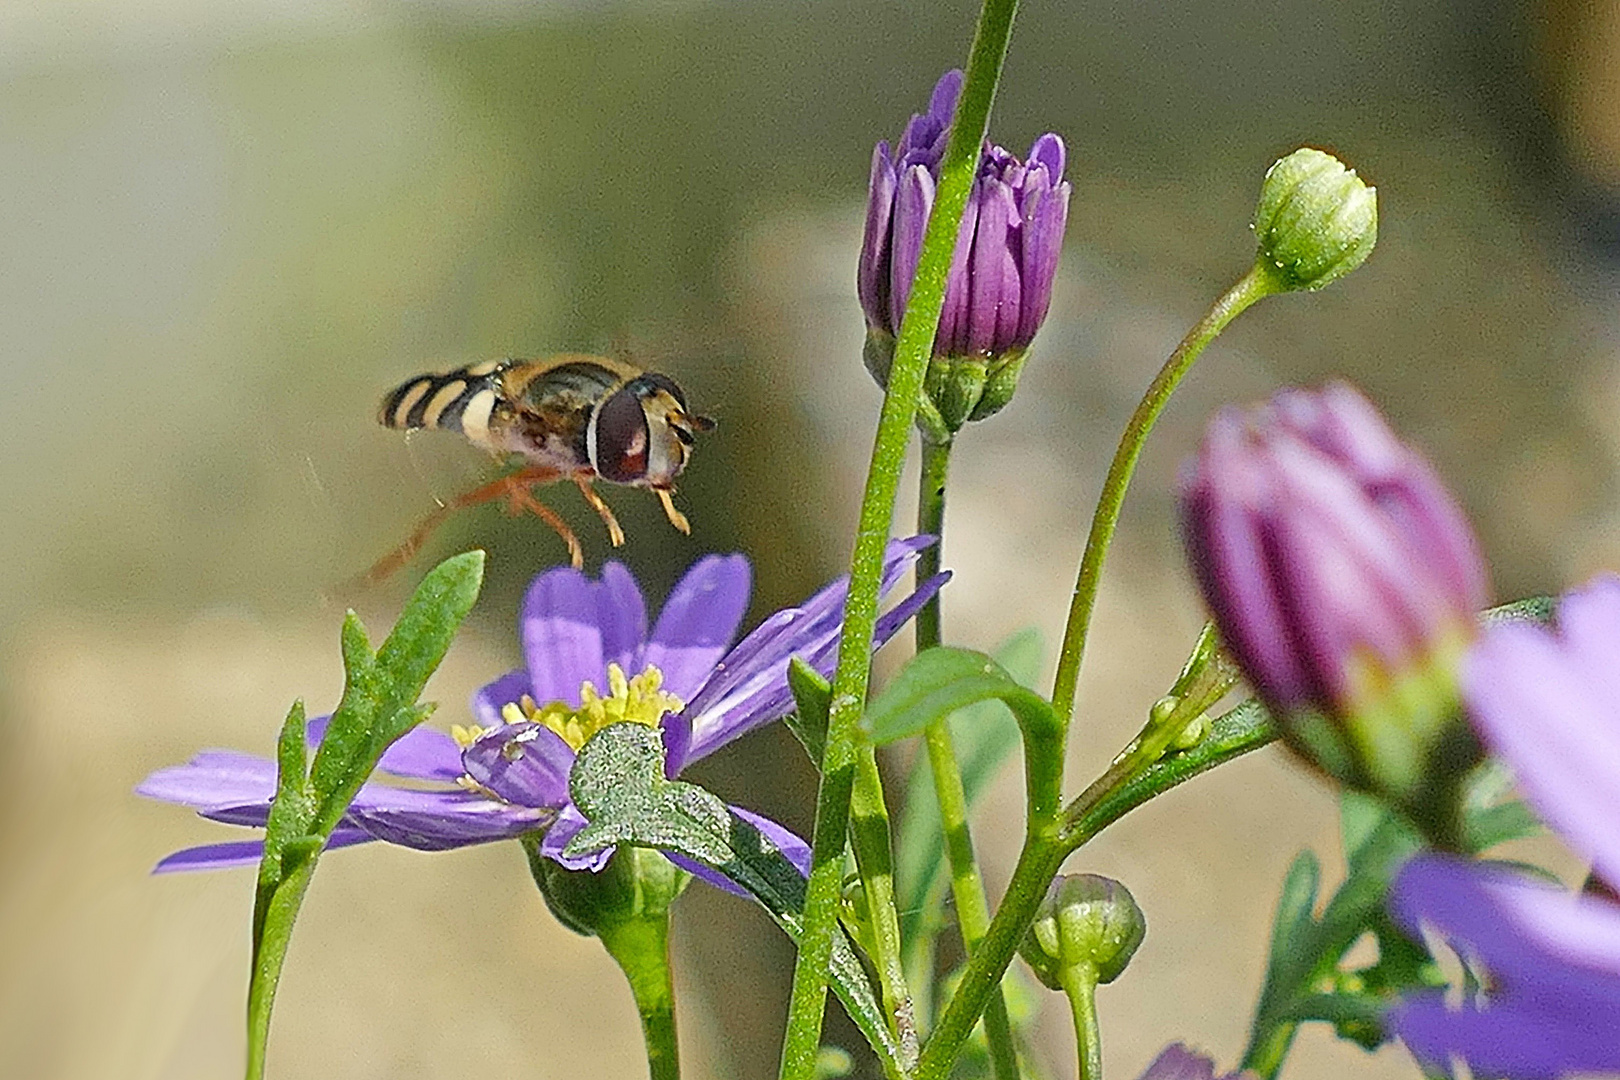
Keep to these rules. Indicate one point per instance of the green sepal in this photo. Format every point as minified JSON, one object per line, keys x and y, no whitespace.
{"x":618,"y":784}
{"x":813,"y":695}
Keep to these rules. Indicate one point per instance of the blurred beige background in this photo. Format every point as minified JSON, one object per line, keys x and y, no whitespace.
{"x":225,"y":230}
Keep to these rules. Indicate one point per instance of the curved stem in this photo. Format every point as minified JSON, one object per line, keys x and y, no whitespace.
{"x":641,"y":948}
{"x":967,"y":885}
{"x":1253,"y":286}
{"x":850,"y":680}
{"x":1038,"y":862}
{"x":1080,"y":987}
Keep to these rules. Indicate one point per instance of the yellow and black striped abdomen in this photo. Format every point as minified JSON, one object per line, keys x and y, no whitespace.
{"x":460,"y":400}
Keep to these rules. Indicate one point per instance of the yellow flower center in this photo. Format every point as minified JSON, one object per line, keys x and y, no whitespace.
{"x":637,"y":700}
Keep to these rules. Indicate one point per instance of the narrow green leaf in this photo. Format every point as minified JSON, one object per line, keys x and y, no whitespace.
{"x":289,"y":812}
{"x":1541,"y":609}
{"x":378,"y":696}
{"x":937,"y":682}
{"x":1295,"y":905}
{"x":1356,"y":1017}
{"x":618,"y":784}
{"x":1495,"y":825}
{"x":813,"y":695}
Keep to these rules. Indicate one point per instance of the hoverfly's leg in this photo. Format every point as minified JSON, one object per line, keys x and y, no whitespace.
{"x":520,"y":499}
{"x":484,"y":493}
{"x":676,"y":518}
{"x":603,"y":510}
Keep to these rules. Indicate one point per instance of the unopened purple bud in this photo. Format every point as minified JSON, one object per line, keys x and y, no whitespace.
{"x":1344,"y":578}
{"x":1005,"y":261}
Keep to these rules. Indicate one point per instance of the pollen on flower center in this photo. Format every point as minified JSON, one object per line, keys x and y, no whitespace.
{"x":636,"y":700}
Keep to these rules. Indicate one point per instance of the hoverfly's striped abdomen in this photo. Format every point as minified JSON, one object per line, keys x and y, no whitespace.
{"x":460,"y":400}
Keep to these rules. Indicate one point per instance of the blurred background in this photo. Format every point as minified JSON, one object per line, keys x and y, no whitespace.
{"x":227,"y":229}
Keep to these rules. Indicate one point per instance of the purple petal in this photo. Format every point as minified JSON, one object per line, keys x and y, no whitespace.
{"x":570,"y":822}
{"x":872,"y":273}
{"x":423,"y":753}
{"x":1049,"y":153}
{"x":1176,"y":1062}
{"x":213,"y":778}
{"x":243,"y":852}
{"x":698,"y":622}
{"x":489,"y":699}
{"x":1046,"y":216}
{"x":525,"y":764}
{"x":951,"y":339}
{"x":780,"y":837}
{"x":440,"y":820}
{"x":1554,"y":959}
{"x":573,"y":627}
{"x":993,"y":309}
{"x":1548,"y":707}
{"x":942,"y":103}
{"x":913,"y":200}
{"x":754,"y":679}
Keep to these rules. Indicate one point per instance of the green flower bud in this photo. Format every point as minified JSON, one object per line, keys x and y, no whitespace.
{"x":637,"y":884}
{"x":1086,"y":920}
{"x":1316,"y":221}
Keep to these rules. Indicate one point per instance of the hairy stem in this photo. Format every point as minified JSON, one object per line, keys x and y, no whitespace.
{"x":641,"y":948}
{"x":967,"y":885}
{"x":850,"y":680}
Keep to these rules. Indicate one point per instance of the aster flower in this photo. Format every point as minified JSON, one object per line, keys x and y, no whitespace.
{"x":1177,"y":1062}
{"x":1006,"y":256}
{"x":590,"y":661}
{"x":1343,"y":577}
{"x":1549,"y":704}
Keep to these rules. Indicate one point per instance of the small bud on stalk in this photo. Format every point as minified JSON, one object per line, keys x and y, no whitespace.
{"x":1316,"y":221}
{"x":1345,"y":580}
{"x":1000,"y":283}
{"x":1086,"y":920}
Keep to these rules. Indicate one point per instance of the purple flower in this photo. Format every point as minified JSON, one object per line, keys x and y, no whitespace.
{"x":1006,"y":256}
{"x":1343,"y":577}
{"x":590,"y":661}
{"x":1176,"y":1062}
{"x":1549,"y":704}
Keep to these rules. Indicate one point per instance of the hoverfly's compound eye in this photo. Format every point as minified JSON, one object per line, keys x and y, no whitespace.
{"x":617,"y":439}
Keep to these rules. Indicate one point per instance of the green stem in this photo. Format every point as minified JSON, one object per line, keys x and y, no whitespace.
{"x":869,"y":835}
{"x":912,"y":350}
{"x":641,"y":948}
{"x":1043,"y":852}
{"x":1268,"y":1046}
{"x":1253,"y":286}
{"x":1080,"y":987}
{"x":967,"y":886}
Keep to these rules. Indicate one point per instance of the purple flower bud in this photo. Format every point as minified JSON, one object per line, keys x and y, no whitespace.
{"x":1343,"y":577}
{"x":1000,"y":282}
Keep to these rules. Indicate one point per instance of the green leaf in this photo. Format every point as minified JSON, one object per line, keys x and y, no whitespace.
{"x":1357,"y":1017}
{"x":379,"y":692}
{"x":618,"y":784}
{"x":1540,"y":609}
{"x":985,"y":735}
{"x":937,"y":682}
{"x":813,"y":694}
{"x":378,"y":706}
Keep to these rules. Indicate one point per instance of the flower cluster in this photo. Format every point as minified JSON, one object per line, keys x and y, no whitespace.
{"x":1002,"y":270}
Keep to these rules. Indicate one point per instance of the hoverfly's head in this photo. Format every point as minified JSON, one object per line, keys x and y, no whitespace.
{"x":641,"y":434}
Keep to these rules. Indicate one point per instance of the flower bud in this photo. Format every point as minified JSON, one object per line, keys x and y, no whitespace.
{"x":637,"y":884}
{"x":1085,"y":920}
{"x":1001,"y":274}
{"x":1316,"y":220}
{"x":1345,"y":580}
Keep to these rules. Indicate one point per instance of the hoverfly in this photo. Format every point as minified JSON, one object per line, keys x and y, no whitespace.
{"x":568,"y":417}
